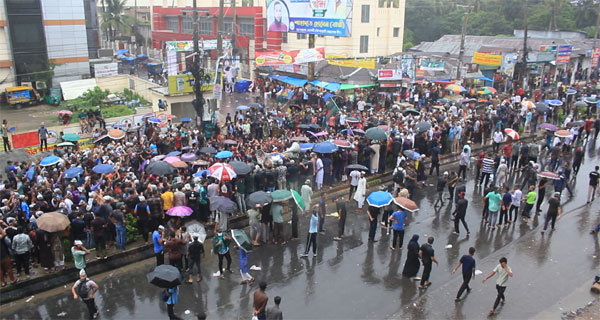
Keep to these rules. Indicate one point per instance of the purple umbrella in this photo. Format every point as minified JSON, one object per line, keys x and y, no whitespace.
{"x":187,"y":157}
{"x":180,"y":211}
{"x":548,"y":126}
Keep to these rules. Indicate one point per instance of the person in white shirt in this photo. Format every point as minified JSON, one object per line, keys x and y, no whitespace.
{"x":361,"y":191}
{"x":354,"y":176}
{"x":498,"y":136}
{"x":361,"y":105}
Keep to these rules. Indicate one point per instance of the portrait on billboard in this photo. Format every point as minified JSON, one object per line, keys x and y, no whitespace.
{"x":280,"y":17}
{"x":320,"y":17}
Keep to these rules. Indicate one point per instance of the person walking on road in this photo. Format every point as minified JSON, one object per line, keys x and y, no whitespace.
{"x":361,"y":191}
{"x":221,"y":247}
{"x":594,"y":175}
{"x":313,"y":229}
{"x":398,"y":218}
{"x":43,"y":134}
{"x":244,"y":266}
{"x":172,"y":295}
{"x":441,"y":184}
{"x":275,"y":313}
{"x":493,"y":206}
{"x":342,"y":212}
{"x":373,"y":213}
{"x":468,"y":272}
{"x":412,"y":264}
{"x":554,"y":211}
{"x":195,"y":252}
{"x":428,"y":257}
{"x":5,"y":139}
{"x":503,"y":271}
{"x":260,"y":301}
{"x":460,"y":212}
{"x":306,"y":192}
{"x":85,"y":289}
{"x":529,"y":202}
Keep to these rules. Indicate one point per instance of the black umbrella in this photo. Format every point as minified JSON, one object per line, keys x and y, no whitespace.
{"x":423,"y":126}
{"x":255,"y":105}
{"x":160,"y":168}
{"x":208,"y":150}
{"x":303,"y":126}
{"x":578,"y":123}
{"x":258,"y":199}
{"x":359,"y":167}
{"x":165,"y":276}
{"x":411,"y":111}
{"x":541,"y":107}
{"x":222,"y":204}
{"x":240,"y":168}
{"x":581,"y":104}
{"x":314,"y":126}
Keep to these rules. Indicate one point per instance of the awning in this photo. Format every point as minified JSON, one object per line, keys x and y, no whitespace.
{"x":289,"y":80}
{"x":348,"y":86}
{"x":331,"y":86}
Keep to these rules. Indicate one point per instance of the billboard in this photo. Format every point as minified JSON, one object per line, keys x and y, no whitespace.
{"x":564,"y":54}
{"x":184,"y":83}
{"x":343,"y":61}
{"x":389,"y":74}
{"x":322,"y":17}
{"x":487,"y":59}
{"x":189,"y":45}
{"x":428,"y":65}
{"x":106,"y":69}
{"x":595,"y":57}
{"x":289,"y":57}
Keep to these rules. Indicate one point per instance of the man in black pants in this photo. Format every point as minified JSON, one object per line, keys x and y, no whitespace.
{"x":373,"y":212}
{"x":341,"y":210}
{"x":460,"y":212}
{"x":503,"y":271}
{"x":85,"y":289}
{"x":427,"y":256}
{"x":468,"y":272}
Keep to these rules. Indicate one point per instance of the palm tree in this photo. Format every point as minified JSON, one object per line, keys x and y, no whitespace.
{"x":114,"y":20}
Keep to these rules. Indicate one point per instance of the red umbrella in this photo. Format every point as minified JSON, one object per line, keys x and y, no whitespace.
{"x":512,"y":133}
{"x":406,"y":204}
{"x":222,"y":171}
{"x":562,"y":133}
{"x":341,"y":143}
{"x":116,"y":134}
{"x":549,"y":175}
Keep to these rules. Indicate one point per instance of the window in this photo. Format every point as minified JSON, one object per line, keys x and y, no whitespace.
{"x":284,"y":37}
{"x":300,"y":36}
{"x":187,"y":25}
{"x":378,"y":29}
{"x":364,"y":13}
{"x":173,"y":24}
{"x":247,"y":3}
{"x":389,"y":4}
{"x":396,"y":32}
{"x":205,"y":27}
{"x":228,"y":25}
{"x":364,"y":44}
{"x":246,"y":27}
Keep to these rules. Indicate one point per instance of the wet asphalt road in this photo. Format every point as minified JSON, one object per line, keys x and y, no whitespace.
{"x":354,"y":279}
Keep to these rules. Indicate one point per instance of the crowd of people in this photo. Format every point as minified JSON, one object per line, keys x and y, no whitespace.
{"x":276,"y":144}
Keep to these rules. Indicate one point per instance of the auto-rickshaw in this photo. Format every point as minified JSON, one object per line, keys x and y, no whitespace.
{"x":22,"y":95}
{"x":54,"y":96}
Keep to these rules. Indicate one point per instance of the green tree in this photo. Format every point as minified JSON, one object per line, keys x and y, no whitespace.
{"x":113,"y":19}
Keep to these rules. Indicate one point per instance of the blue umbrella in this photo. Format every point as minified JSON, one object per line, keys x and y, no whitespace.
{"x":72,"y":172}
{"x":30,"y":173}
{"x":49,"y":160}
{"x":173,"y":153}
{"x":379,"y":199}
{"x":154,"y":120}
{"x":199,"y":173}
{"x":555,"y":102}
{"x":103,"y":168}
{"x":121,"y":51}
{"x":306,"y":146}
{"x":186,"y":119}
{"x":242,"y":108}
{"x":325,"y":147}
{"x":571,"y":91}
{"x":224,"y":154}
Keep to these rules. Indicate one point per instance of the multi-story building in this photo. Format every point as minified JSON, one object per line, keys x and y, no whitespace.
{"x":43,"y":35}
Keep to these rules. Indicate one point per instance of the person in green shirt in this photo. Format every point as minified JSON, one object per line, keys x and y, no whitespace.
{"x":529,"y":202}
{"x":79,"y":251}
{"x":277,"y":214}
{"x":494,"y":199}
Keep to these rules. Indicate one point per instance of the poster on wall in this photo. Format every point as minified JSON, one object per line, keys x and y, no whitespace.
{"x":106,"y":69}
{"x":428,"y":65}
{"x":564,"y":54}
{"x":182,"y":46}
{"x":408,"y":67}
{"x":289,"y":57}
{"x":487,"y":59}
{"x":509,"y":60}
{"x":595,"y":57}
{"x":321,"y":17}
{"x":184,"y":83}
{"x":344,"y":61}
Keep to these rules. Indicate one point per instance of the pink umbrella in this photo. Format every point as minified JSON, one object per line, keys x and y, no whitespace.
{"x":116,"y":134}
{"x":65,"y":112}
{"x":180,"y":211}
{"x":341,"y":143}
{"x":171,"y":159}
{"x":188,"y":157}
{"x":159,"y":157}
{"x":222,"y":171}
{"x":383,"y":127}
{"x":406,"y":203}
{"x":319,"y":134}
{"x":549,"y":175}
{"x":512,"y":133}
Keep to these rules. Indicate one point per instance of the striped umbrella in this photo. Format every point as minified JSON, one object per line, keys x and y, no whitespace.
{"x":512,"y":133}
{"x":222,"y":172}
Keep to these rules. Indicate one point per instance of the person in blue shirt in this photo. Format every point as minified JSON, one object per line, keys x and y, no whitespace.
{"x":158,"y":240}
{"x":398,"y":224}
{"x":172,"y":294}
{"x":311,"y":238}
{"x":468,"y":272}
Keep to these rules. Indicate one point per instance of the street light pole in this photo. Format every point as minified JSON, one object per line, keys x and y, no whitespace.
{"x":197,"y":71}
{"x":524,"y":74}
{"x":463,"y":33}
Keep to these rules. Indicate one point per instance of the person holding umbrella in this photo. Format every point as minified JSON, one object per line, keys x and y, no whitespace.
{"x":85,"y":289}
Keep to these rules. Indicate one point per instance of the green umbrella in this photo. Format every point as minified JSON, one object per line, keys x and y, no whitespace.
{"x":281,"y":195}
{"x":241,"y":239}
{"x":71,"y":137}
{"x":298,"y":199}
{"x":376,"y":133}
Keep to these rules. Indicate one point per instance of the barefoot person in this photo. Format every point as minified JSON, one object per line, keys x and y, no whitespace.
{"x":503,"y":271}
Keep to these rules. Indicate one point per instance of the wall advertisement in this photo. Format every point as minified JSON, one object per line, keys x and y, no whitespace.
{"x":184,"y":83}
{"x":322,"y":17}
{"x":289,"y":57}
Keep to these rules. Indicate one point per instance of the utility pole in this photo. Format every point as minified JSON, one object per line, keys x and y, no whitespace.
{"x":311,"y":65}
{"x":597,"y":25}
{"x":524,"y":74}
{"x":234,"y":27}
{"x":463,"y":33}
{"x":197,"y":71}
{"x":220,"y":29}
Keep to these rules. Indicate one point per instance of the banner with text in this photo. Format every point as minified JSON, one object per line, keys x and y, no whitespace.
{"x":564,"y":54}
{"x":106,"y":69}
{"x":428,"y":65}
{"x":184,"y":83}
{"x":343,"y":61}
{"x":595,"y":57}
{"x":487,"y":59}
{"x":322,"y":17}
{"x":189,"y":45}
{"x":289,"y":57}
{"x":389,"y":74}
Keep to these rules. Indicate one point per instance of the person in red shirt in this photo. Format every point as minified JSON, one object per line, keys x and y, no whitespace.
{"x":588,"y":127}
{"x":178,"y":142}
{"x":507,"y":150}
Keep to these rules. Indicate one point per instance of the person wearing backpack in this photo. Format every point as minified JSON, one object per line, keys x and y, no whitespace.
{"x":85,"y":289}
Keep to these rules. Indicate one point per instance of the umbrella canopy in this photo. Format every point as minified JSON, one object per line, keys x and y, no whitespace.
{"x":306,"y":146}
{"x":352,"y":120}
{"x":224,"y":154}
{"x":53,"y":222}
{"x":376,"y":133}
{"x":71,"y":137}
{"x":208,"y":150}
{"x":180,"y":211}
{"x":66,"y":144}
{"x":299,"y":139}
{"x":222,"y":204}
{"x":179,"y":164}
{"x":562,"y":133}
{"x":255,"y":105}
{"x":171,"y":159}
{"x":406,"y":204}
{"x":486,"y":90}
{"x":159,"y":157}
{"x":325,"y":147}
{"x":230,"y":142}
{"x":528,"y":104}
{"x":241,"y":239}
{"x":298,"y":199}
{"x":512,"y":133}
{"x":281,"y":195}
{"x":153,"y":120}
{"x":411,"y":111}
{"x":103,"y":168}
{"x":189,"y":157}
{"x":116,"y":134}
{"x":240,"y":167}
{"x":423,"y":126}
{"x":555,"y":102}
{"x":549,"y":175}
{"x":341,"y":143}
{"x":196,"y":229}
{"x":455,"y":88}
{"x":359,"y":167}
{"x":571,"y":91}
{"x":359,"y":131}
{"x":578,"y":123}
{"x":581,"y":104}
{"x":202,"y":172}
{"x":409,"y":153}
{"x":541,"y":108}
{"x":160,"y":168}
{"x":379,"y":199}
{"x":64,"y":112}
{"x":548,"y":126}
{"x":173,"y":153}
{"x":72,"y":172}
{"x":242,"y":108}
{"x":186,"y":119}
{"x":200,"y":163}
{"x":590,"y":100}
{"x":49,"y":161}
{"x":165,"y":276}
{"x":258,"y":199}
{"x":222,"y":172}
